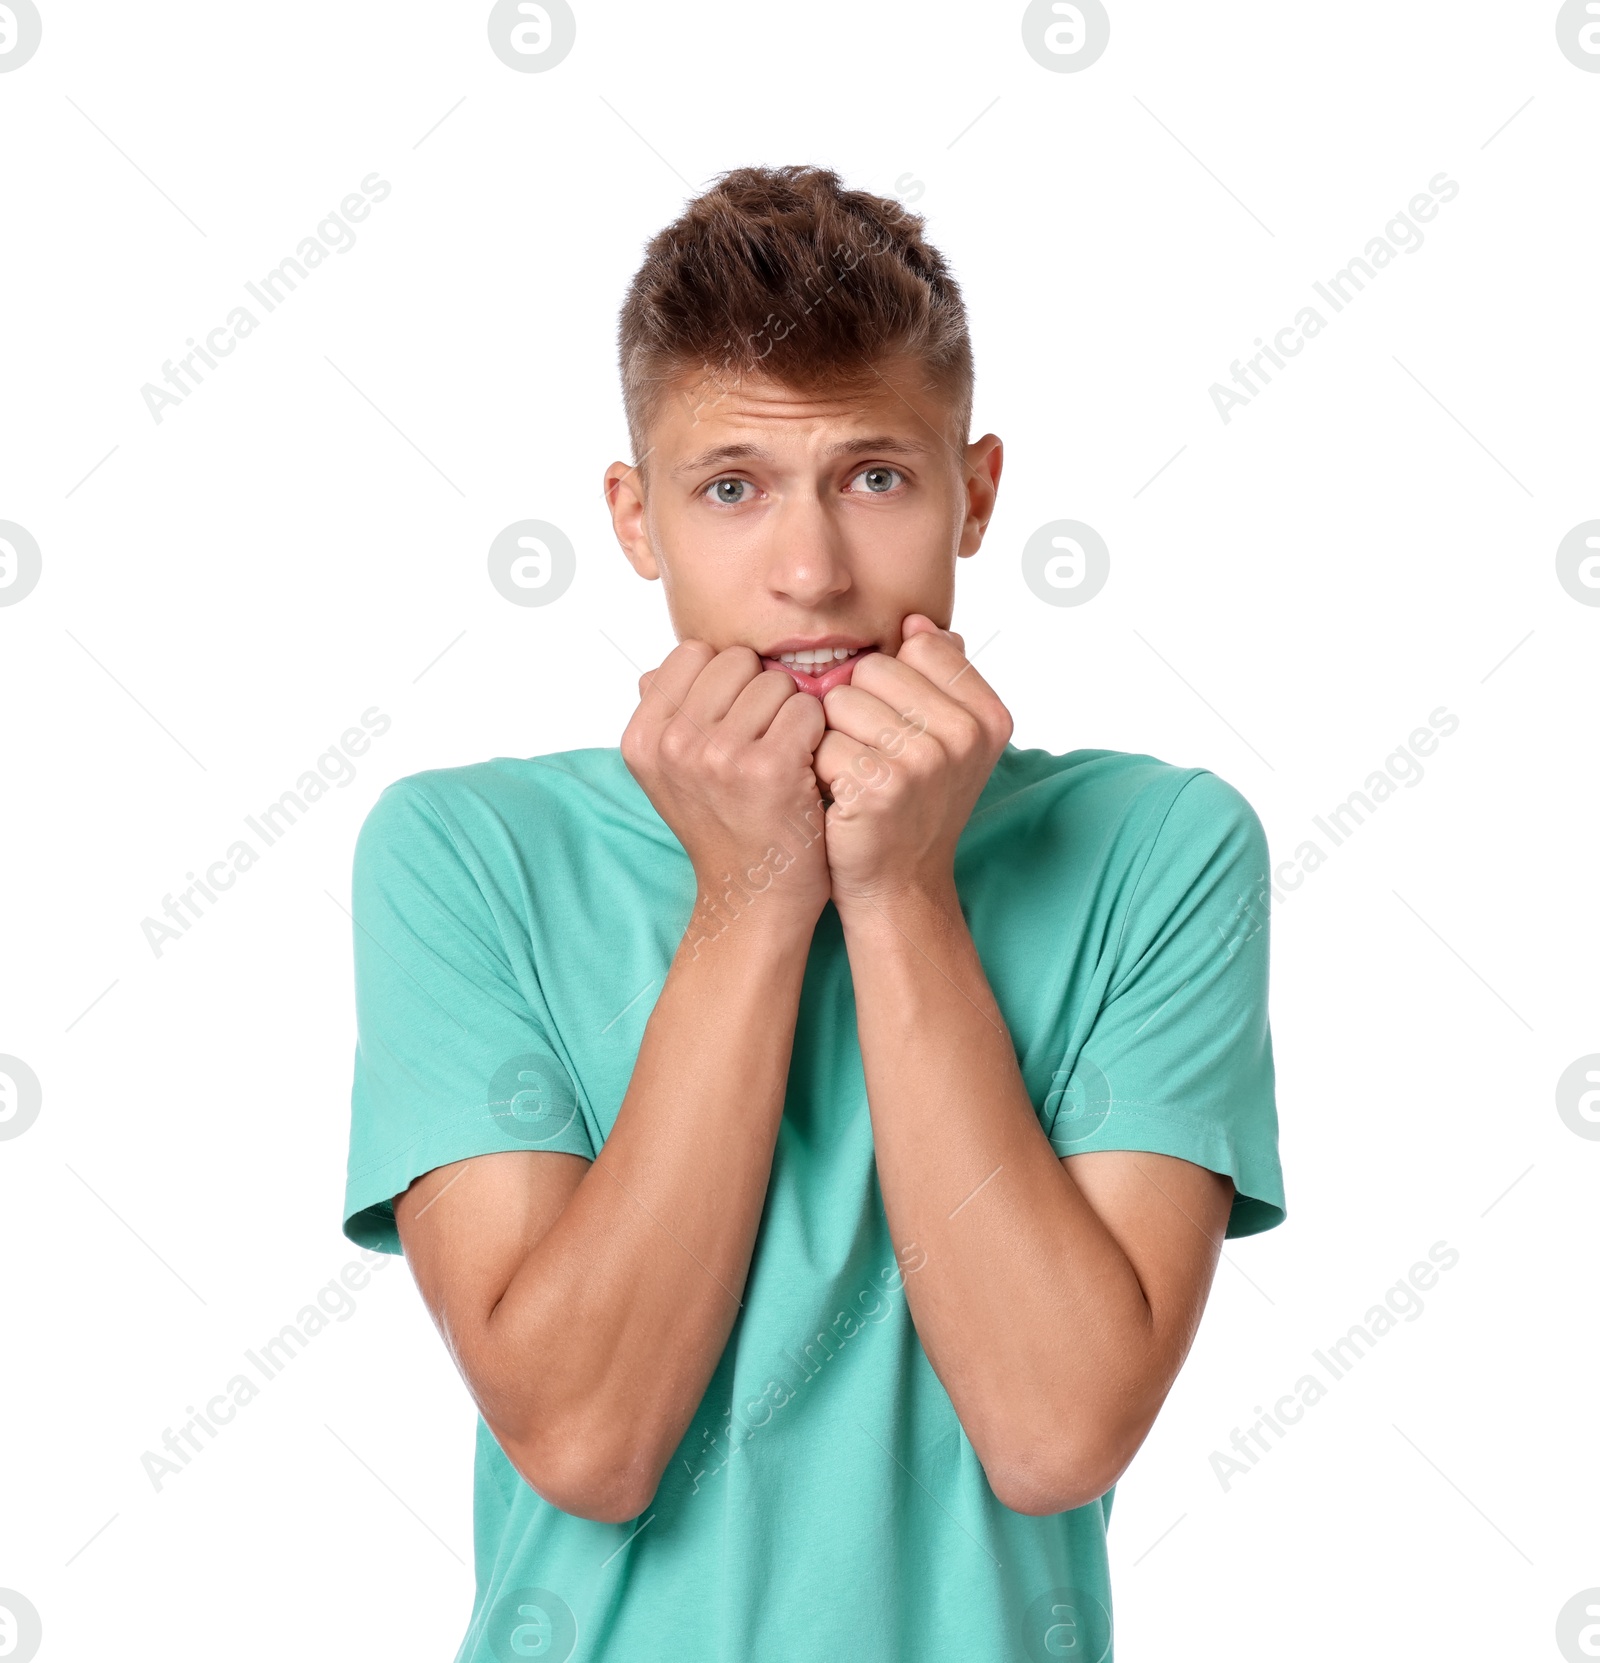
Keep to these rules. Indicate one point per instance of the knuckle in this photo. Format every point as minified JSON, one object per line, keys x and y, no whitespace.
{"x":677,"y":743}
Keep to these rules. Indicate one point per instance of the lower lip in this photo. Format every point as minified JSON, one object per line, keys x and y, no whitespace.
{"x":837,"y":676}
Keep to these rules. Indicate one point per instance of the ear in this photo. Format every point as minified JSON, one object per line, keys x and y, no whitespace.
{"x":624,"y":488}
{"x":984,"y":458}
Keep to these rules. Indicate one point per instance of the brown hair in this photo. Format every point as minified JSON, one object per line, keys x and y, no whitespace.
{"x":782,"y":272}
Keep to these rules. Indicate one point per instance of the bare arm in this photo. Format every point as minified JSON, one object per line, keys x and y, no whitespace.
{"x":587,"y":1305}
{"x":1058,"y":1299}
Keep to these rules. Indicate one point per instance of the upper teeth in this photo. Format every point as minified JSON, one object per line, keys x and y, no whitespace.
{"x":817,"y":655}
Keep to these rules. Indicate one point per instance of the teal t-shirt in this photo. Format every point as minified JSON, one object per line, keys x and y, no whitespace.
{"x":514,"y":922}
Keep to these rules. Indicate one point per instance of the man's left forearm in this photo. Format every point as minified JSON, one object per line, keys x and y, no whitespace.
{"x":1030,"y":1313}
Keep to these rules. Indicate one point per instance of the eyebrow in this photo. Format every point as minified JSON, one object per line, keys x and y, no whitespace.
{"x":880,"y":444}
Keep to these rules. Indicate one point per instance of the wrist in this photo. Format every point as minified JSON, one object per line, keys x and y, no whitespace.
{"x":739,"y":917}
{"x":912,"y":909}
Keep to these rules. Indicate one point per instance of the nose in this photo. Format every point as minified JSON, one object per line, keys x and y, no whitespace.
{"x":807,"y":560}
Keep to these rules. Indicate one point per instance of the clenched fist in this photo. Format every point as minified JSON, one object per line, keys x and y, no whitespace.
{"x":724,"y":750}
{"x":910,"y":744}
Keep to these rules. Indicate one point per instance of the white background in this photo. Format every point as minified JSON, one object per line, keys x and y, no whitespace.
{"x":1291,"y":593}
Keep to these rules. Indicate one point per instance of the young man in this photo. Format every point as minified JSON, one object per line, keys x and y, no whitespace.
{"x":812,"y":1125}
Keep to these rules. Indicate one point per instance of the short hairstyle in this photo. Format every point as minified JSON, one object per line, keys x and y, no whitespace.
{"x":782,"y":272}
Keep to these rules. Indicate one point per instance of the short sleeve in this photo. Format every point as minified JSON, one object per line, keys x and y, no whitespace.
{"x":1178,"y":1060}
{"x":451,"y":1059}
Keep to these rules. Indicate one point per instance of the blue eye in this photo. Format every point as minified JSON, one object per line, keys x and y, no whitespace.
{"x":727,"y":491}
{"x":879,"y":480}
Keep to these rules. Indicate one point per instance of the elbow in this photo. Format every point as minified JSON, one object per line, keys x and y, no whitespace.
{"x":1038,"y":1492}
{"x":607,"y":1486}
{"x":579,"y":1459}
{"x":605,"y":1498}
{"x":1054,"y":1474}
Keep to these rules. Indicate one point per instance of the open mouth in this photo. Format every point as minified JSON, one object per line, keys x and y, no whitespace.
{"x":817,"y":670}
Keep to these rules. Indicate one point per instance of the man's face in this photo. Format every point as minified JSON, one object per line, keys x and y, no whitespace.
{"x":802,"y":523}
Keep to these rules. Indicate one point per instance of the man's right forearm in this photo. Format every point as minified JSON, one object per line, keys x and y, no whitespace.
{"x":607,"y":1335}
